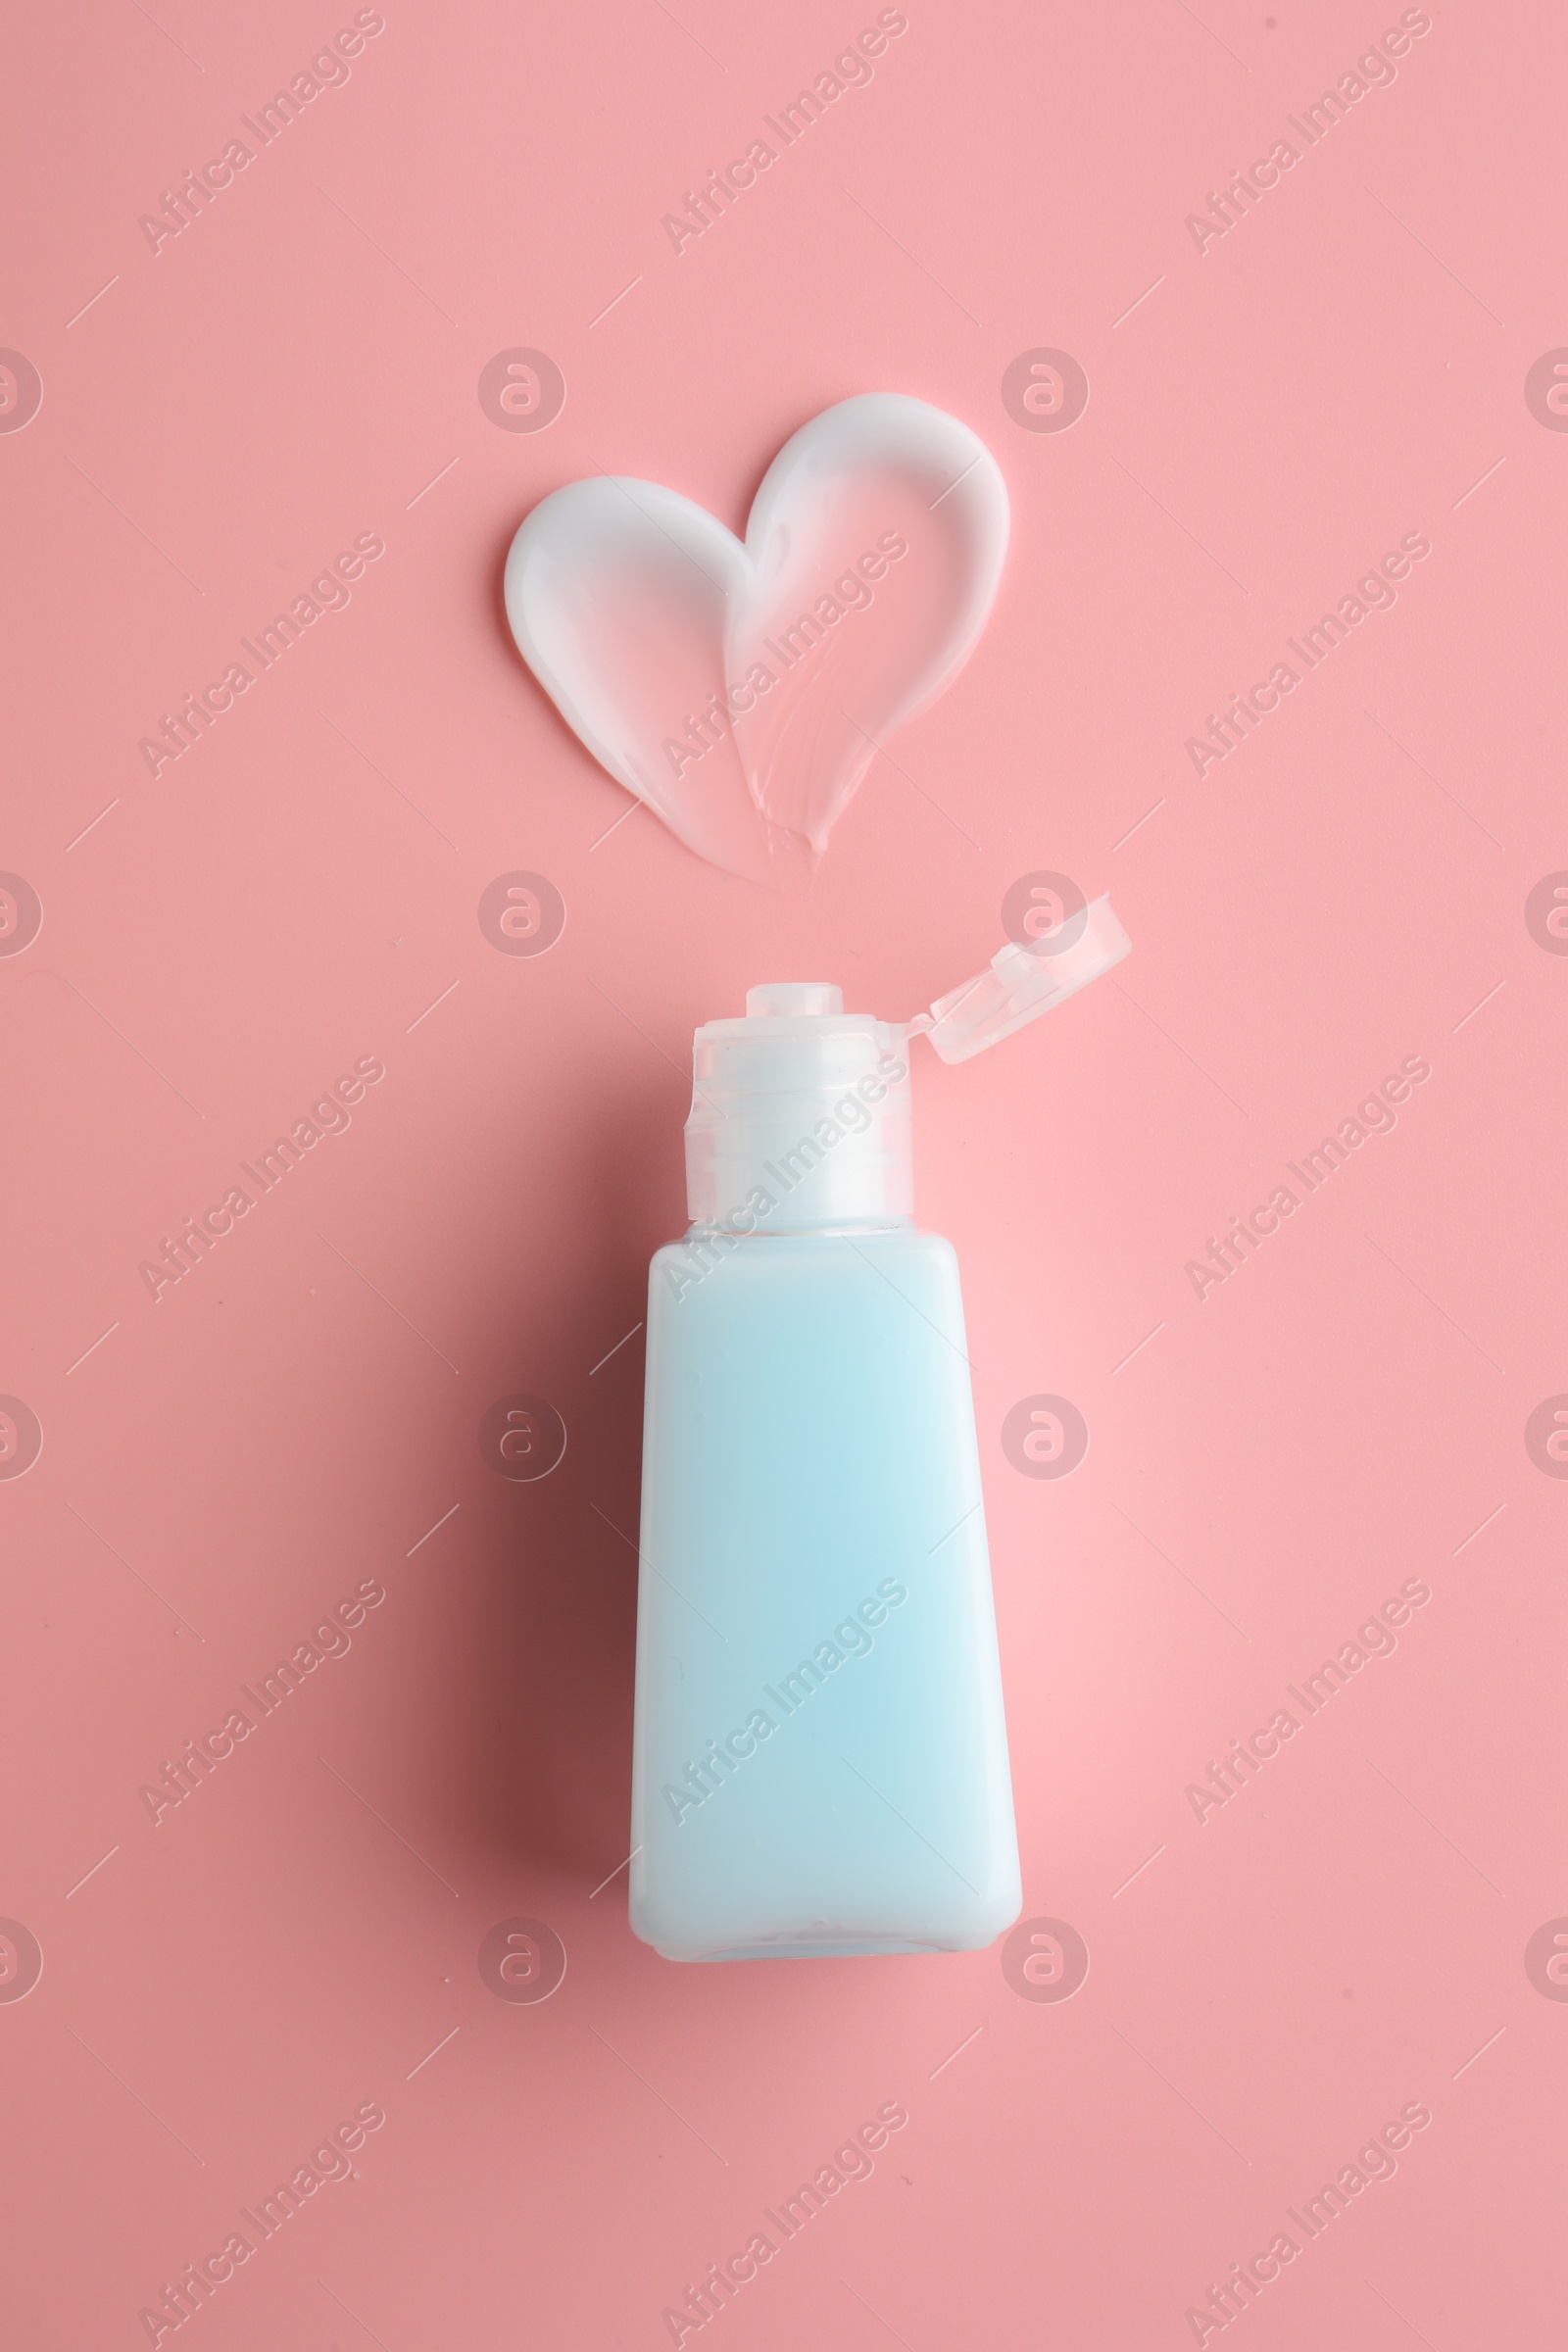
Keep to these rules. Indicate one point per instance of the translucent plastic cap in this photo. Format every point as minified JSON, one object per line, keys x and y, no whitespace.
{"x":1021,"y":983}
{"x":799,"y":1114}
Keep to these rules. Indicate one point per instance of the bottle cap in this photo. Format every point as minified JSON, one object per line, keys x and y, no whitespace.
{"x":799,"y":1117}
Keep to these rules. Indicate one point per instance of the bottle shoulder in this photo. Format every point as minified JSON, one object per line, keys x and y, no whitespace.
{"x":711,"y":1266}
{"x":718,"y":1243}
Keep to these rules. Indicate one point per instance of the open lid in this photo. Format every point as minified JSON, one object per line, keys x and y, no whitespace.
{"x":1022,"y":982}
{"x":801,"y":1111}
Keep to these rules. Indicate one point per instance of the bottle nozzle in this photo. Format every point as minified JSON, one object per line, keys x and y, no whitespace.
{"x":793,"y":997}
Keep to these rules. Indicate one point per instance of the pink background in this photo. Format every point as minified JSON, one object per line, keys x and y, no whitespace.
{"x":223,"y":1466}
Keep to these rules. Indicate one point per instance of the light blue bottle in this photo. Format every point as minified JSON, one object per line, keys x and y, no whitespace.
{"x":820,"y":1753}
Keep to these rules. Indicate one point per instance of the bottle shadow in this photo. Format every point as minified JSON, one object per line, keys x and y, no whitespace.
{"x":552,"y":1692}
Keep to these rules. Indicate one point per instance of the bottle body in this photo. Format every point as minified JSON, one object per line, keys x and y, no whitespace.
{"x":819,"y":1754}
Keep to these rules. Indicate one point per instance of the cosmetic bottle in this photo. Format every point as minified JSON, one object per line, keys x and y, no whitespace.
{"x":819,"y":1750}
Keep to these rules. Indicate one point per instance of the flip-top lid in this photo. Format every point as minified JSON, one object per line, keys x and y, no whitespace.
{"x":1021,"y":982}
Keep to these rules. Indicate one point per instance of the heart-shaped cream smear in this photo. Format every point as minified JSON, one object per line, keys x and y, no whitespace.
{"x":742,"y":689}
